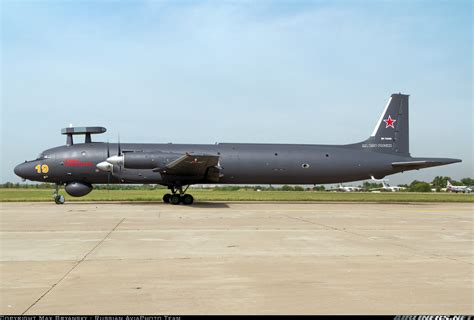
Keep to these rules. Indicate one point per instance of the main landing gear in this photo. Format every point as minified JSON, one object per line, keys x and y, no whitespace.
{"x":59,"y":199}
{"x":177,"y":198}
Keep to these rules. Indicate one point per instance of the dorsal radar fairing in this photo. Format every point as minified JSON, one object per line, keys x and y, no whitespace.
{"x":87,"y":131}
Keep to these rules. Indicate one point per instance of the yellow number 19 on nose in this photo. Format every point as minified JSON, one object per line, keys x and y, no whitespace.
{"x":42,"y":168}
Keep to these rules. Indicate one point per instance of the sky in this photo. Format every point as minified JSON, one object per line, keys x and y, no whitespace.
{"x":306,"y":72}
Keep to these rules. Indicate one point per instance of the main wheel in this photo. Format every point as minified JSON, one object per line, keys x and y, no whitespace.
{"x":175,"y":199}
{"x":187,"y":199}
{"x":166,"y":198}
{"x":59,"y":199}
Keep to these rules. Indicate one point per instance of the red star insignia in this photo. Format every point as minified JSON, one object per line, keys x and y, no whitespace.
{"x":389,"y":122}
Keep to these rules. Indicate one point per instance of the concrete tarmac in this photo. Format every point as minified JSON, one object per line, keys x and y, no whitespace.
{"x":236,"y":258}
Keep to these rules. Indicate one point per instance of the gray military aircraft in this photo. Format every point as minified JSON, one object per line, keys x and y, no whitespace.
{"x":79,"y":166}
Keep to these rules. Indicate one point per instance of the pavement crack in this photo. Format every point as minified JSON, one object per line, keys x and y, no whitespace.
{"x":400,"y":245}
{"x":327,"y":227}
{"x":74,"y":266}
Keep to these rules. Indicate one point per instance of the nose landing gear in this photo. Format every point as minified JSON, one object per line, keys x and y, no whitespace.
{"x":178,"y":196}
{"x":58,"y":199}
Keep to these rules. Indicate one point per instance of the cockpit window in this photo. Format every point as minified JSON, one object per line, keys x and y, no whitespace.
{"x":42,"y":156}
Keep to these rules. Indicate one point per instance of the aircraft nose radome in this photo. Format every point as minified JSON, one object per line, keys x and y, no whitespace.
{"x":21,"y":170}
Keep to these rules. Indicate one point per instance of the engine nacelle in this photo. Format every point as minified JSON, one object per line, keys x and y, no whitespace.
{"x":148,"y":160}
{"x":78,"y":189}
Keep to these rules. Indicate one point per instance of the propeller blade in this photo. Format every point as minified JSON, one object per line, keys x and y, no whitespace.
{"x":119,"y":147}
{"x":110,"y":172}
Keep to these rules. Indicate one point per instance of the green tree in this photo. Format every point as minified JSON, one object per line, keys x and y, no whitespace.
{"x":227,"y":188}
{"x":440,"y":182}
{"x":287,"y":188}
{"x":419,"y":186}
{"x":371,"y":185}
{"x":467,"y":181}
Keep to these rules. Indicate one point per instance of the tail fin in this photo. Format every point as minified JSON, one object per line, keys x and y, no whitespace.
{"x":448,"y":184}
{"x":390,"y":135}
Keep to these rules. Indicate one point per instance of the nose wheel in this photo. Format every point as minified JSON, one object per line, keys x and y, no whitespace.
{"x":58,"y":199}
{"x":178,"y":196}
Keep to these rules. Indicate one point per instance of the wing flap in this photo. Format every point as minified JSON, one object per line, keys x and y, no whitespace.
{"x":190,"y":165}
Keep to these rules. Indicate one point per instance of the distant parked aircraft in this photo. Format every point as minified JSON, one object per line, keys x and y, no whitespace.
{"x":386,"y":187}
{"x":456,"y":189}
{"x":342,"y":188}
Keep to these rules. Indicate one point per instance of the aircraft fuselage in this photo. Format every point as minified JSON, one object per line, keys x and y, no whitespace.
{"x":240,"y":163}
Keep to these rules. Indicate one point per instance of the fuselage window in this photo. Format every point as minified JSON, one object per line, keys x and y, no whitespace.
{"x":305,"y":165}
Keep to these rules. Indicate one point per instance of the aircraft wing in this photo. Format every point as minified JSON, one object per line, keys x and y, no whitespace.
{"x":193,"y":166}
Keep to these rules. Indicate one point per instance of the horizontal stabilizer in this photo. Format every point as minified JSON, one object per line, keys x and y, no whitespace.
{"x":425,"y":163}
